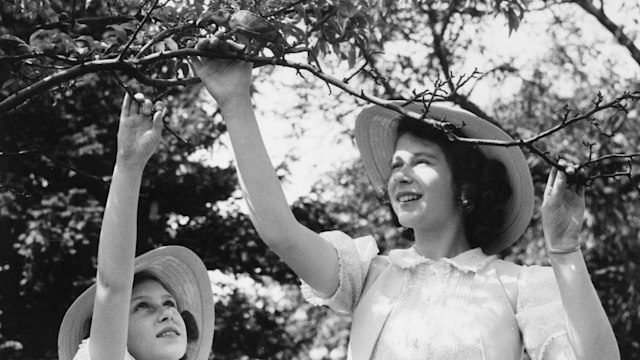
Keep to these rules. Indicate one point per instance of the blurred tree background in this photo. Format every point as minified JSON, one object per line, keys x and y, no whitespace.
{"x":523,"y":64}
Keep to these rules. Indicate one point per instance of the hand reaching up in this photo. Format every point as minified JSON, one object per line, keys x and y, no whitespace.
{"x":562,"y":212}
{"x":225,"y":79}
{"x":140,"y":130}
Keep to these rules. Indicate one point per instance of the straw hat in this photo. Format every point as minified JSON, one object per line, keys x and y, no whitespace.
{"x":375,"y":133}
{"x":184,"y":275}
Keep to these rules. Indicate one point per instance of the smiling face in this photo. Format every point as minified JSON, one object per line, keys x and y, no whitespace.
{"x":420,"y":187}
{"x":156,"y":329}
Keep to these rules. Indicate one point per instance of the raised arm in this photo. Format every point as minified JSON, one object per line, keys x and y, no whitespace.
{"x":590,"y":333}
{"x":138,"y":137}
{"x":308,"y":254}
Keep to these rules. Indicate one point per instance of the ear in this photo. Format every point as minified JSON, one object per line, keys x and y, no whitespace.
{"x":192,"y":326}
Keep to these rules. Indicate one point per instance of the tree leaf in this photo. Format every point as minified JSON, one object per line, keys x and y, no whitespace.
{"x":185,"y":68}
{"x":121,"y":33}
{"x":171,"y":44}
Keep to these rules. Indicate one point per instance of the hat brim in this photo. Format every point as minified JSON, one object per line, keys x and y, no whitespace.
{"x":184,"y":275}
{"x":375,"y":133}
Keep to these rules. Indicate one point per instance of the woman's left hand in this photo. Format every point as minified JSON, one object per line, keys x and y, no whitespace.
{"x":562,"y":210}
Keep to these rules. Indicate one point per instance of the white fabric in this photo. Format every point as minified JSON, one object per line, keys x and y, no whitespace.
{"x":83,"y":352}
{"x":459,"y":308}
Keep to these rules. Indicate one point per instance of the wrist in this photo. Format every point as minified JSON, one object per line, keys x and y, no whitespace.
{"x":563,"y":249}
{"x":128,"y":167}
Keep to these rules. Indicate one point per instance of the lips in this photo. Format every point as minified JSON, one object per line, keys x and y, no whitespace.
{"x":168,"y":331}
{"x":405,"y":197}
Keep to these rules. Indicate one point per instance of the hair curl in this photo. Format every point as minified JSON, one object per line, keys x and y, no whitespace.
{"x":480,"y":184}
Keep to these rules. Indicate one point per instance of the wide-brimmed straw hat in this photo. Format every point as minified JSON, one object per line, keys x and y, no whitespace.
{"x":376,"y":137}
{"x":183,"y":274}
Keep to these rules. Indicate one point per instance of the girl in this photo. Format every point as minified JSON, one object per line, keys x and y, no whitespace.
{"x":157,"y":306}
{"x":448,"y":296}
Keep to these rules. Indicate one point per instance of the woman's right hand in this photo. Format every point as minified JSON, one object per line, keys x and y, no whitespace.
{"x":225,"y":79}
{"x":140,"y":130}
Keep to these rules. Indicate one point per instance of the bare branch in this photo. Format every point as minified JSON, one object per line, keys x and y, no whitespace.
{"x":613,"y":28}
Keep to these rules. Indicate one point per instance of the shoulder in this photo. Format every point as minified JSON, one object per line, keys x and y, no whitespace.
{"x":365,"y":247}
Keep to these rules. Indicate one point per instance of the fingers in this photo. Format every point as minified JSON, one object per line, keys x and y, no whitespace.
{"x":146,"y":107}
{"x":565,"y":179}
{"x":134,"y":107}
{"x":139,"y":105}
{"x":550,"y":181}
{"x":158,"y":115}
{"x":126,"y":103}
{"x":215,"y":43}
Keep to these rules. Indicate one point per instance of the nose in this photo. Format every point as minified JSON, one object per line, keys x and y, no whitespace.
{"x":401,"y":175}
{"x":166,"y":313}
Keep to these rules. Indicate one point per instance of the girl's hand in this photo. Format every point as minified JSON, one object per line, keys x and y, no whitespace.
{"x":225,"y":79}
{"x":562,"y":211}
{"x":140,"y":130}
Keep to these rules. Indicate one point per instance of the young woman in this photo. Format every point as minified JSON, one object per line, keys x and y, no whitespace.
{"x":447,"y":297}
{"x":156,"y":306}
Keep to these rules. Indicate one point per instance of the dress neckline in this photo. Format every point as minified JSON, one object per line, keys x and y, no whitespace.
{"x":469,"y":261}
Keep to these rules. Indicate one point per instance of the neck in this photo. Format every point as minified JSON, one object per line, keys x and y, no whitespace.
{"x":447,"y":241}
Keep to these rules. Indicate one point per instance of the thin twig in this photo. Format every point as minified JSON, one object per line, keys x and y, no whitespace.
{"x":135,"y":33}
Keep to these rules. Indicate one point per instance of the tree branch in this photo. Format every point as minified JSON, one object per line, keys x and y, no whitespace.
{"x":613,"y":28}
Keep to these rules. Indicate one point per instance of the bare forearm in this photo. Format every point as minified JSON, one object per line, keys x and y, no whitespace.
{"x":590,"y":333}
{"x":263,"y":191}
{"x":117,"y":245}
{"x":308,"y":255}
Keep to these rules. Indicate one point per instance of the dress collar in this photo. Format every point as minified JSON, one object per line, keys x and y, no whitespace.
{"x":468,"y":261}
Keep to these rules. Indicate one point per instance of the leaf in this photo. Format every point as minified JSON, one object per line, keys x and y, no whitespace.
{"x":88,"y":40}
{"x":160,"y":46}
{"x":352,"y":57}
{"x":39,"y":35}
{"x":204,"y":17}
{"x":171,"y":44}
{"x":184,"y":68}
{"x":346,"y":9}
{"x":12,"y":38}
{"x":9,"y":82}
{"x":513,"y":19}
{"x":121,"y":33}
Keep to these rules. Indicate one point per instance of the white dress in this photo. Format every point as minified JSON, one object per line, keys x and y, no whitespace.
{"x":83,"y":352}
{"x":472,"y":306}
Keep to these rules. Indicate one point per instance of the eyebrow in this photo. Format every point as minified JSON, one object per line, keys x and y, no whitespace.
{"x":143,"y":297}
{"x":429,"y":154}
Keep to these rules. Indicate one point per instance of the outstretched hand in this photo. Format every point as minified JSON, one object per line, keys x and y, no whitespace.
{"x":562,"y":210}
{"x":140,"y":130}
{"x":225,"y":79}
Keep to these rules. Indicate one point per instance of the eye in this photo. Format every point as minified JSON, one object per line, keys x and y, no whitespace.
{"x":141,"y":306}
{"x":170,"y":303}
{"x":396,"y":165}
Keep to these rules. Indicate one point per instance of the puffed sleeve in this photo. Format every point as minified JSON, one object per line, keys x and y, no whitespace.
{"x":83,"y":352}
{"x":354,"y":256}
{"x":540,"y":315}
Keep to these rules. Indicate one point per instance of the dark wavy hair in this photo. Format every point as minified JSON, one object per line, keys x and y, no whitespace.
{"x":480,"y":184}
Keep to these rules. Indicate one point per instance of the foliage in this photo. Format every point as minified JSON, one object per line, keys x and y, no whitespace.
{"x":64,"y":66}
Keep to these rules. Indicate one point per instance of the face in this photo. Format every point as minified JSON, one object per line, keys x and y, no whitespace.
{"x":156,"y":329}
{"x":421,"y":185}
